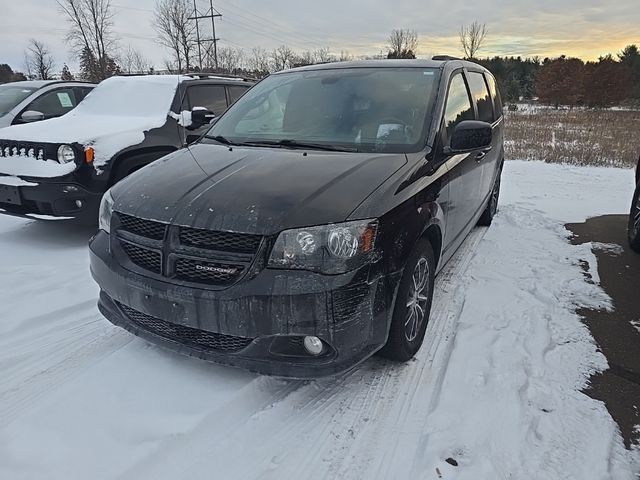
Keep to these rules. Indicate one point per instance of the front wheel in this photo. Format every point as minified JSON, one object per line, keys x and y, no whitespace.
{"x":634,"y":222}
{"x":413,"y":305}
{"x":492,"y":206}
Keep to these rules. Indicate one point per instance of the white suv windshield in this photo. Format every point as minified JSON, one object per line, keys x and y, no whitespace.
{"x":11,"y":95}
{"x":364,"y":109}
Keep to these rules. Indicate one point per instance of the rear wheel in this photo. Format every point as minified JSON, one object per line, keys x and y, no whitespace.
{"x":492,"y":206}
{"x":634,"y":222}
{"x":413,"y":305}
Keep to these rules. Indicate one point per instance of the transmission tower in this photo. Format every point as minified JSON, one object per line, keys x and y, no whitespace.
{"x":211,"y":14}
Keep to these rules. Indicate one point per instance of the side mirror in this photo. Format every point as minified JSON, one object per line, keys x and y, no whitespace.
{"x":32,"y":116}
{"x":470,"y":135}
{"x":201,"y":116}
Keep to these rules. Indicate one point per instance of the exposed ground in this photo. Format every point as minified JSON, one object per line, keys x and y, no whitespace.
{"x":617,"y":332}
{"x":495,"y":392}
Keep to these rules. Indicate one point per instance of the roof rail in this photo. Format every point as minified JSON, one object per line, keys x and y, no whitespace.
{"x":444,"y":58}
{"x":219,"y":75}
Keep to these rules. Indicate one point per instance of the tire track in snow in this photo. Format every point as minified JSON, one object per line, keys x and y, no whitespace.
{"x":49,"y":350}
{"x":340,"y":423}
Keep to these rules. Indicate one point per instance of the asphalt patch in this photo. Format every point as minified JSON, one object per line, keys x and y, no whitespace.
{"x":617,"y":333}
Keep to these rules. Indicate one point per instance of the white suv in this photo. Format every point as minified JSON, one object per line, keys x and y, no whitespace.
{"x":31,"y":101}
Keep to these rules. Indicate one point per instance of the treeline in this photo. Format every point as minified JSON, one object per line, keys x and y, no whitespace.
{"x":567,"y":81}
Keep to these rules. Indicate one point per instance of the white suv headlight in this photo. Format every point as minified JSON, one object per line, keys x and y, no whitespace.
{"x":66,"y":154}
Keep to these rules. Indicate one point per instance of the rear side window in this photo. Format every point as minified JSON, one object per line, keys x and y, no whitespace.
{"x":480,"y":93}
{"x":458,"y":106}
{"x":81,"y":92}
{"x":54,"y":103}
{"x":211,"y":97}
{"x":235,"y":93}
{"x":495,"y":94}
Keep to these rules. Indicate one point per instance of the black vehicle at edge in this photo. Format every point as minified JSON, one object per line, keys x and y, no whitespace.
{"x":291,"y":253}
{"x":634,"y":215}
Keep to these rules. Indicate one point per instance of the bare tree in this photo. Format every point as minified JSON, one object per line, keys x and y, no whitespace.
{"x":176,"y":30}
{"x":282,"y":58}
{"x":472,"y":39}
{"x":38,"y":60}
{"x":258,"y":61}
{"x":402,"y":44}
{"x":345,"y":56}
{"x":230,"y":59}
{"x":134,"y":61}
{"x":322,"y":55}
{"x":91,"y":32}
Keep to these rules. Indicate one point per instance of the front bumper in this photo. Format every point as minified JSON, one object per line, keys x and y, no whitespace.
{"x":350,"y":313}
{"x":52,"y":197}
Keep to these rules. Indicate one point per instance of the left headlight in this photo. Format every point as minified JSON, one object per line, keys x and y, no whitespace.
{"x":106,"y":210}
{"x":66,"y":154}
{"x":330,"y":249}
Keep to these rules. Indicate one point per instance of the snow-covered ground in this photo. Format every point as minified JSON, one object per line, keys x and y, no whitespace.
{"x":493,"y":394}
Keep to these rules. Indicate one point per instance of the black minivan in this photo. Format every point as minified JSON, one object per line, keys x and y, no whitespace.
{"x":303,"y":232}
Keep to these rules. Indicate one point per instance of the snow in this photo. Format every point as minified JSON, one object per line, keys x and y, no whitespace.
{"x":183,"y":118}
{"x":113,"y":116}
{"x":32,"y":167}
{"x":15,"y":182}
{"x":495,"y":388}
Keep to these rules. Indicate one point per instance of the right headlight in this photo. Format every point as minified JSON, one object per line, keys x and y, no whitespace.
{"x":329,"y":249}
{"x":66,"y":154}
{"x":106,"y":210}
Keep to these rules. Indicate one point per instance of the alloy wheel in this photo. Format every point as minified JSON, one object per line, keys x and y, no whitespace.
{"x":495,"y":196}
{"x":636,"y":218}
{"x":417,"y":300}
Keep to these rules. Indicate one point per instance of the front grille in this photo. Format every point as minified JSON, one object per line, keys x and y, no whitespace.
{"x":224,"y":241}
{"x":143,"y":257}
{"x":142,"y":227}
{"x":10,"y":148}
{"x":186,"y":335}
{"x":194,"y":255}
{"x":207,"y":272}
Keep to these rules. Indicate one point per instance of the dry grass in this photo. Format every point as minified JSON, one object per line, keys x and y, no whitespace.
{"x":578,"y":136}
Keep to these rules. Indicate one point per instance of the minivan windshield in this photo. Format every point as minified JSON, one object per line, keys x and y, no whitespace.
{"x":11,"y":95}
{"x":352,"y":109}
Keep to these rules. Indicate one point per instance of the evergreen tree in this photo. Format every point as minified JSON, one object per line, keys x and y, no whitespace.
{"x":66,"y":74}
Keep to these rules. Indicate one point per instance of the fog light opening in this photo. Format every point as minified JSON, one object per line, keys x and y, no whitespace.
{"x":313,"y":345}
{"x":79,"y":203}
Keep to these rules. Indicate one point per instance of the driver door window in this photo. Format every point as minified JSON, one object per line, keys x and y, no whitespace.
{"x":54,"y":104}
{"x":211,"y":97}
{"x":458,"y":107}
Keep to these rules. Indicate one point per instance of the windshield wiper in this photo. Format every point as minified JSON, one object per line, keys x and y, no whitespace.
{"x":220,"y":139}
{"x":288,"y":143}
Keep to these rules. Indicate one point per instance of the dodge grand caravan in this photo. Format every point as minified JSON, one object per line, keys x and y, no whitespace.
{"x":303,"y":232}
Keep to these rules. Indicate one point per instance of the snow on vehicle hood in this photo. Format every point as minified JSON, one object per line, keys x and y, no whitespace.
{"x":115,"y":115}
{"x":253,"y":190}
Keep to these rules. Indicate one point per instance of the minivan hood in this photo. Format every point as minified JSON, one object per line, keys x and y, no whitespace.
{"x":253,"y":190}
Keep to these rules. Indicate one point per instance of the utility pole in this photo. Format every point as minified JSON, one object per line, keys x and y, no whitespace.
{"x":212,"y":14}
{"x":195,"y":12}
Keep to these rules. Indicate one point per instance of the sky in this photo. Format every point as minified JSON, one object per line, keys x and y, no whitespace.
{"x":545,"y":28}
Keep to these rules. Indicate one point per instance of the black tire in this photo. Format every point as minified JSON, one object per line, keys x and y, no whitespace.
{"x":634,"y":222}
{"x":406,"y":335}
{"x":492,"y":207}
